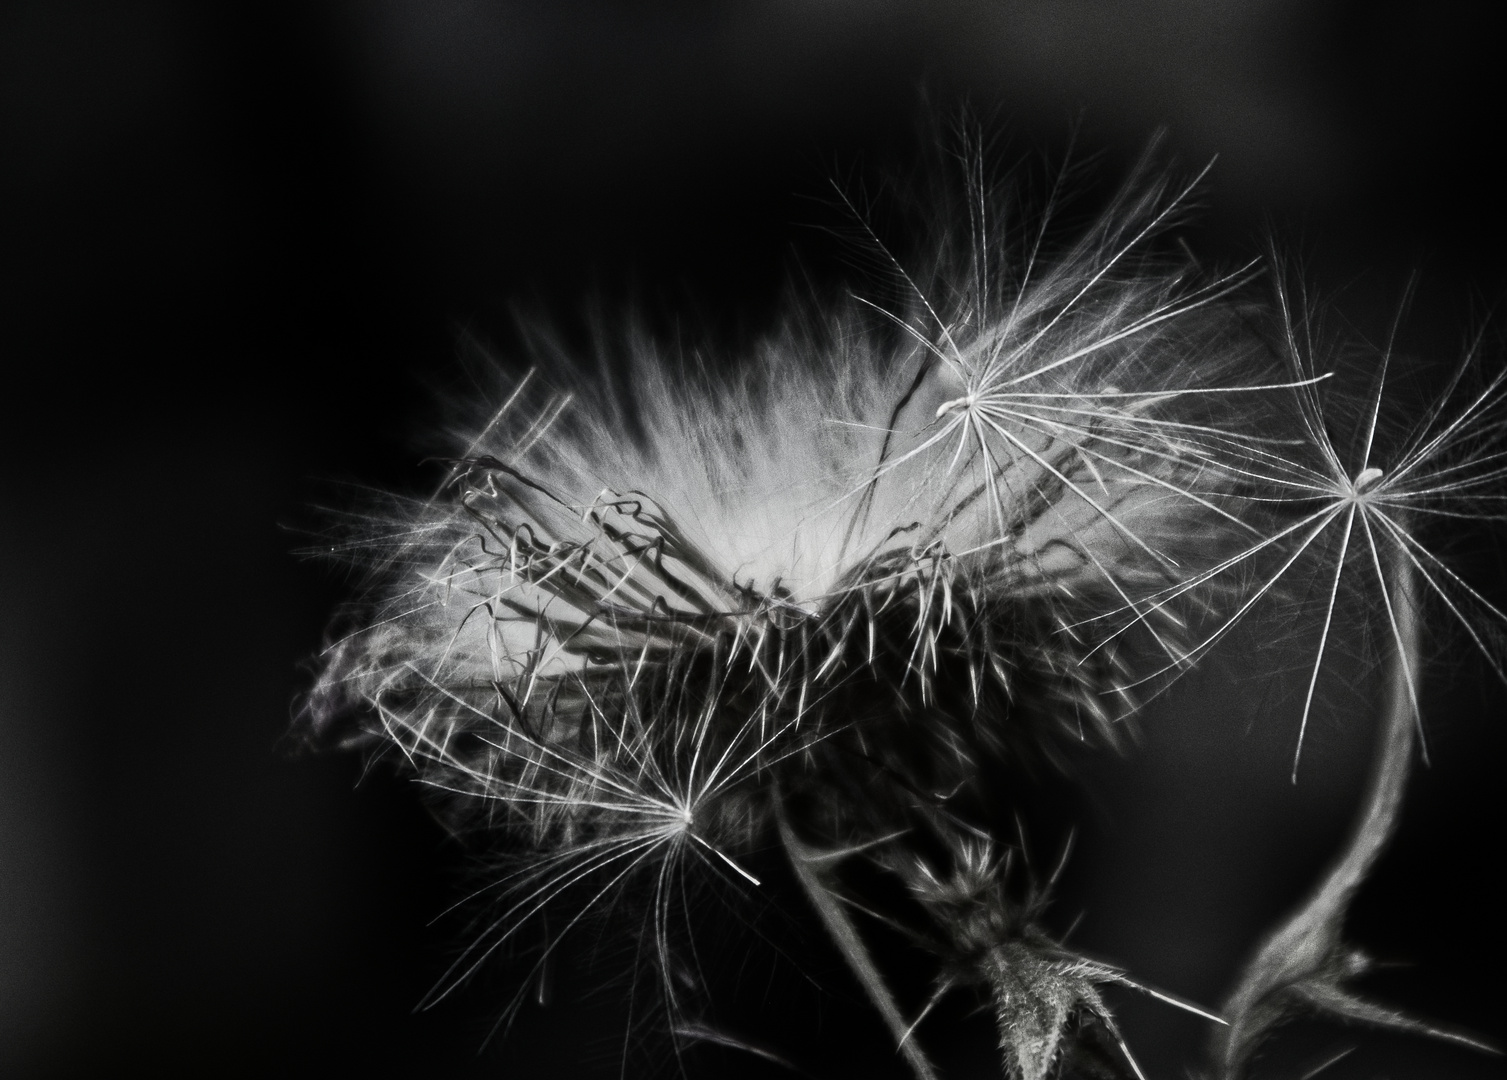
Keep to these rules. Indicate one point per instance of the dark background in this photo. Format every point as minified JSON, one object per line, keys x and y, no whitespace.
{"x":238,"y":241}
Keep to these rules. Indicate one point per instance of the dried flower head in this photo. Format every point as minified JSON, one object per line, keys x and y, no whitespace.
{"x":642,"y":632}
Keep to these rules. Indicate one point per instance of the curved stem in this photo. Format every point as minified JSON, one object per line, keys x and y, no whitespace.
{"x":1306,"y":944}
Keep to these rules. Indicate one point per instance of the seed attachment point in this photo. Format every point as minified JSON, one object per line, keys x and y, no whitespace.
{"x":965,"y":402}
{"x":1366,"y":478}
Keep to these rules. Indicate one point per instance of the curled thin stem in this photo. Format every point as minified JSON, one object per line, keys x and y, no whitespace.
{"x":1303,"y":964}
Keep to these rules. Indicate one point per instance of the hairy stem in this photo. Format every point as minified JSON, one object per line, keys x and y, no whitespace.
{"x":807,"y":863}
{"x":1308,"y":942}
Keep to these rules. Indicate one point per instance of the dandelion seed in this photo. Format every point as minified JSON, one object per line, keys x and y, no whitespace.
{"x":1452,"y":466}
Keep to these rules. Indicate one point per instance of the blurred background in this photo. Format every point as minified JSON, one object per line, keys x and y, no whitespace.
{"x":240,"y":243}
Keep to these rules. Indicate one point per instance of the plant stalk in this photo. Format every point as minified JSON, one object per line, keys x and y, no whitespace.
{"x":1308,"y":944}
{"x":844,"y":934}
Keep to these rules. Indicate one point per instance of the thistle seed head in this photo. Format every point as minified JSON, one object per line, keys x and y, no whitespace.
{"x":834,"y":583}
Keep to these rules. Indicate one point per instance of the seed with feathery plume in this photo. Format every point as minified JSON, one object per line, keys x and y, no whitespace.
{"x":1346,"y":509}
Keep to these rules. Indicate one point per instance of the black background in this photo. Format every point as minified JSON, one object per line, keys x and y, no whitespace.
{"x":240,"y":241}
